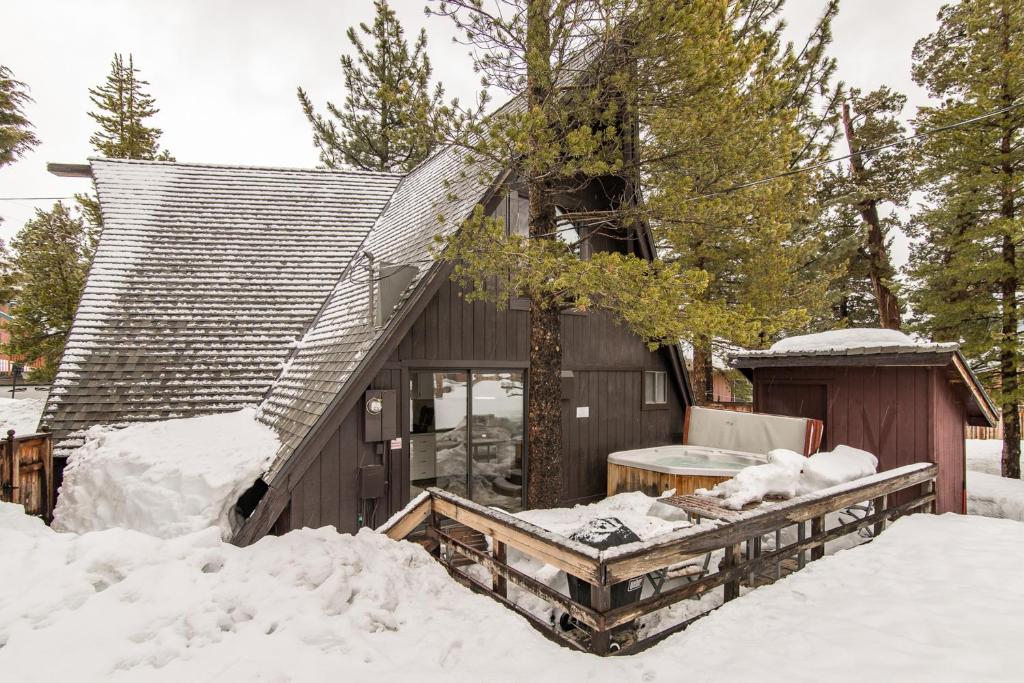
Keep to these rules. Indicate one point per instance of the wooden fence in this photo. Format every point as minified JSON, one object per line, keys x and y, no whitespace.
{"x":26,"y":472}
{"x":436,"y":518}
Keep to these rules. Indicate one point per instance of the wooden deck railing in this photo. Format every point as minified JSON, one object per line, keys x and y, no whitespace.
{"x":738,"y":539}
{"x":26,"y":472}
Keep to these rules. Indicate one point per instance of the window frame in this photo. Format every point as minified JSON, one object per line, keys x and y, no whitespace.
{"x":660,"y":379}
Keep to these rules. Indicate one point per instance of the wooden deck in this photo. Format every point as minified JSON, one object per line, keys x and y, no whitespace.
{"x":737,"y":536}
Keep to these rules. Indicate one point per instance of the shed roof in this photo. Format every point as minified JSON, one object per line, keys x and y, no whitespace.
{"x":878,"y":347}
{"x":203,"y":278}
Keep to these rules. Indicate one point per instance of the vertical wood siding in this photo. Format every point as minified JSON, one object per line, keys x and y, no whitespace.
{"x":607,"y":363}
{"x":902,"y":414}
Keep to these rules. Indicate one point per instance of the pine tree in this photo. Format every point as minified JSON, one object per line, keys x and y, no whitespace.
{"x":859,"y":227}
{"x":391,"y":119}
{"x":44,"y":278}
{"x":757,"y":115}
{"x":16,"y":135}
{"x":966,"y":264}
{"x":123,"y":107}
{"x":592,"y":76}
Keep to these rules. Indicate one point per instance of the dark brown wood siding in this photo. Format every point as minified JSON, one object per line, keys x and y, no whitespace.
{"x":901,"y":414}
{"x":607,"y":363}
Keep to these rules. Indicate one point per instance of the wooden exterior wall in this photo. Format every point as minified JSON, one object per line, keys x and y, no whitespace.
{"x":607,"y":363}
{"x":902,"y":414}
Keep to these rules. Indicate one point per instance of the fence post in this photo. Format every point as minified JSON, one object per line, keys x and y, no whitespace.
{"x":879,"y":504}
{"x":12,"y":453}
{"x":929,"y":488}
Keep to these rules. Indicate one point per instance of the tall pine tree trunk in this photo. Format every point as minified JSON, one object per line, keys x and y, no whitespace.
{"x":703,"y":376}
{"x":1008,"y":353}
{"x":544,"y":405}
{"x":879,"y":266}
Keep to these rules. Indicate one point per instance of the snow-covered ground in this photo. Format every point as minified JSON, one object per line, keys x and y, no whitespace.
{"x":20,"y":414}
{"x":934,"y":598}
{"x":988,"y":493}
{"x":165,"y":478}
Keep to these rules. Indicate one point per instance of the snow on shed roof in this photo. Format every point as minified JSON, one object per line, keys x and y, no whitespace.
{"x":340,"y":338}
{"x":852,"y":341}
{"x":203,"y":278}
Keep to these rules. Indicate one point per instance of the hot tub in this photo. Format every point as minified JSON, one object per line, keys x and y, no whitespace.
{"x":683,"y":468}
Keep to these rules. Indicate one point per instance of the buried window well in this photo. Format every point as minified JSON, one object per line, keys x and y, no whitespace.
{"x":466,"y":434}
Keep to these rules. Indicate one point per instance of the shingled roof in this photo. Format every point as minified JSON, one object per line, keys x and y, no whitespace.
{"x":432,"y":200}
{"x":203,"y":279}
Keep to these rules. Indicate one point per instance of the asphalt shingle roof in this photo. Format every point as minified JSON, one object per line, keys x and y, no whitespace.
{"x":203,"y":279}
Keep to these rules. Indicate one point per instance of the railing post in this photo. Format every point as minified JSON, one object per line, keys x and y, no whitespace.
{"x":880,"y":504}
{"x":731,"y":560}
{"x":929,"y":489}
{"x":801,"y":535}
{"x":600,"y":602}
{"x":500,"y":554}
{"x":818,"y":527}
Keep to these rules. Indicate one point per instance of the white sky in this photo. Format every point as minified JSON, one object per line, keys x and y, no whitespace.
{"x":224,"y":73}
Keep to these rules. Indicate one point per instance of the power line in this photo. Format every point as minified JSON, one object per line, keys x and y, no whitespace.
{"x":870,"y":150}
{"x":32,"y":199}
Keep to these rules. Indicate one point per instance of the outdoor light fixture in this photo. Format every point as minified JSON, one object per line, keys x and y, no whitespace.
{"x":374,"y":405}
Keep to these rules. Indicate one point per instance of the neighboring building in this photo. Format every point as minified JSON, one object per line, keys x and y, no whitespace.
{"x":313,"y":293}
{"x":7,"y":361}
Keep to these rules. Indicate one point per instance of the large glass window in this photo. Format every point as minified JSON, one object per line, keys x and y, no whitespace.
{"x":467,"y":434}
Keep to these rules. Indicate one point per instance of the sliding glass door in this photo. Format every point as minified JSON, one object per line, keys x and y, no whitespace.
{"x":466,"y":434}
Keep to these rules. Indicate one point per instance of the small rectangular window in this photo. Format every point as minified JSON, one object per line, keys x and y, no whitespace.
{"x":655,"y":387}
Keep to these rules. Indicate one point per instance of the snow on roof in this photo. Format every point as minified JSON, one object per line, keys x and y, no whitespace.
{"x":340,"y":339}
{"x":203,"y":277}
{"x":856,"y":340}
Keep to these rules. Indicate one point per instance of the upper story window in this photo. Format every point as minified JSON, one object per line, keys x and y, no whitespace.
{"x":655,"y":388}
{"x":568,"y":232}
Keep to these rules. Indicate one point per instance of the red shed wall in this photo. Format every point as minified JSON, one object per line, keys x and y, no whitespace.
{"x":902,"y":414}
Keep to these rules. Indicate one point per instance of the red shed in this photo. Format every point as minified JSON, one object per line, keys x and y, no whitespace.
{"x":879,"y":390}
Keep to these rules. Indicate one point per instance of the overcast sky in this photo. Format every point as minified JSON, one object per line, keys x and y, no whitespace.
{"x":224,"y":72}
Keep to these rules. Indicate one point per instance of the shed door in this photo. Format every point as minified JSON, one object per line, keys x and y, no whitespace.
{"x":796,"y":400}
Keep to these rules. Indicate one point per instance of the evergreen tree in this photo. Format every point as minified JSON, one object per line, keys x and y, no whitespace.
{"x":858,"y":226}
{"x":44,"y":278}
{"x":966,"y":263}
{"x":122,"y":110}
{"x":590,"y":73}
{"x":123,"y":107}
{"x":16,"y":135}
{"x":391,"y":119}
{"x":745,"y":107}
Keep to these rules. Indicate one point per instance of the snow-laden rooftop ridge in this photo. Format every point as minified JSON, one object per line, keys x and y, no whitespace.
{"x":850,"y":341}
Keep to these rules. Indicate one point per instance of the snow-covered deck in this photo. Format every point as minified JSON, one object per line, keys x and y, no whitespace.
{"x":736,"y":535}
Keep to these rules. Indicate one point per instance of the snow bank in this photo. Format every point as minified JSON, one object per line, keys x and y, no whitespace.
{"x":314,"y":604}
{"x":164,"y":478}
{"x":787,"y":474}
{"x":842,"y":340}
{"x":992,"y":495}
{"x":988,"y":493}
{"x":20,"y":414}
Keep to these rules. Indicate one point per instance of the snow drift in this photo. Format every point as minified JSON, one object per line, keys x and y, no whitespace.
{"x":315,"y":605}
{"x":787,"y":474}
{"x":164,"y":478}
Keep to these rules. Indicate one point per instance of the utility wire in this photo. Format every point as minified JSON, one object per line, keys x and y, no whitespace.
{"x":870,"y":150}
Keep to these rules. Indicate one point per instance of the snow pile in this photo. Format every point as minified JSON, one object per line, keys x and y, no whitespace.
{"x":20,"y":414}
{"x":644,"y":515}
{"x":851,"y":338}
{"x":164,"y":478}
{"x":315,"y":604}
{"x":787,"y":474}
{"x":988,"y":493}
